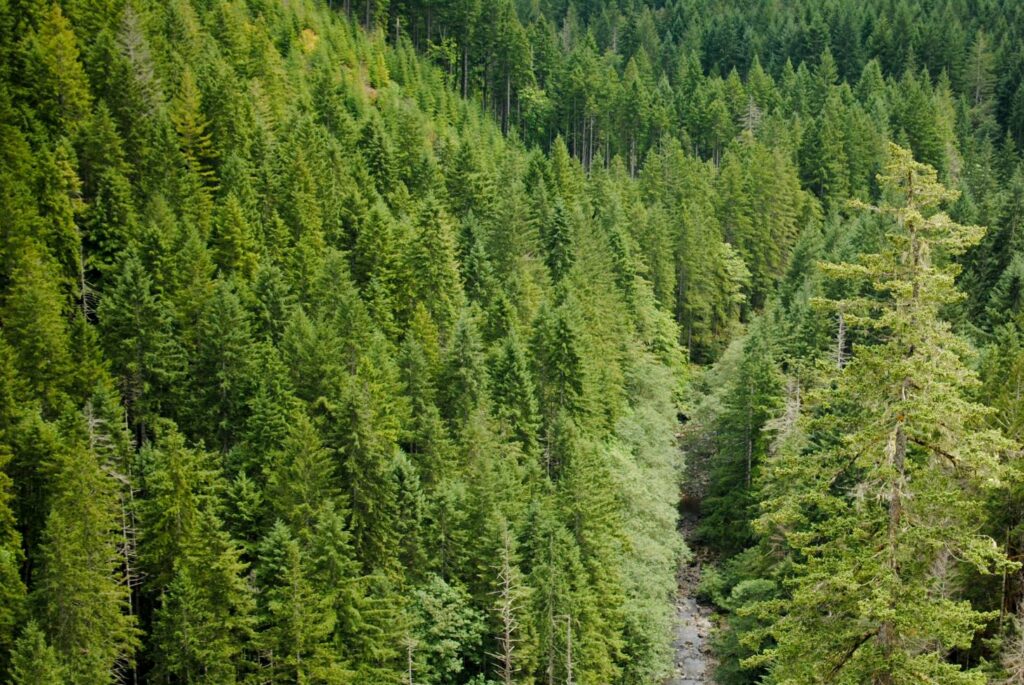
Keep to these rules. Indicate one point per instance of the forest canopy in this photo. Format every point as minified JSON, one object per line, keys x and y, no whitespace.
{"x":373,"y":342}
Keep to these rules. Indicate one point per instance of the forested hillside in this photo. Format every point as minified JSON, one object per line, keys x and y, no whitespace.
{"x":353,"y":342}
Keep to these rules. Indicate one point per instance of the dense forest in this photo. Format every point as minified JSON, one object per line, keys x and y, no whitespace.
{"x":375,"y":342}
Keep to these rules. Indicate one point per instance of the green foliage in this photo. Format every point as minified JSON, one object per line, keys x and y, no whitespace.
{"x":194,"y":568}
{"x":190,"y":124}
{"x":142,"y":349}
{"x":59,"y":85}
{"x":298,"y":614}
{"x":751,"y":400}
{"x":34,"y":661}
{"x":322,"y":361}
{"x":445,"y":629}
{"x":81,"y":594}
{"x":911,"y":448}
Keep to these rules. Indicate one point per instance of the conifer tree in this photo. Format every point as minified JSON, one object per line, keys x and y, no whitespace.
{"x":61,"y":205}
{"x":233,"y":241}
{"x":271,"y":409}
{"x":513,"y":392}
{"x":359,"y":621}
{"x":711,"y":288}
{"x":558,"y":242}
{"x":298,"y":618}
{"x":463,"y":378}
{"x":916,"y":115}
{"x":377,"y":266}
{"x":434,"y":266}
{"x":825,"y":160}
{"x":80,"y":593}
{"x":478,"y":269}
{"x":203,"y":617}
{"x":421,"y":366}
{"x":302,"y":476}
{"x":110,"y":217}
{"x":59,"y":83}
{"x":979,"y":83}
{"x":560,"y":385}
{"x":367,"y":425}
{"x":204,"y":621}
{"x":33,"y":661}
{"x":191,"y":125}
{"x":12,"y":555}
{"x":749,"y":403}
{"x":872,"y":602}
{"x":557,"y":574}
{"x":376,"y":150}
{"x":220,"y":367}
{"x":35,"y":326}
{"x":761,"y":87}
{"x":1002,"y":373}
{"x":140,"y":343}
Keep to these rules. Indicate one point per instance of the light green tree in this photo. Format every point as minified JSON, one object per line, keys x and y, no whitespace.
{"x":889,"y":504}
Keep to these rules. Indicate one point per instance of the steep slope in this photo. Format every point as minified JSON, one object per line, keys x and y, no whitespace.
{"x":355,"y":389}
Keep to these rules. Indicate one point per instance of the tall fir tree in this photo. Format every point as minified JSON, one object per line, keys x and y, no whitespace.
{"x":874,"y":601}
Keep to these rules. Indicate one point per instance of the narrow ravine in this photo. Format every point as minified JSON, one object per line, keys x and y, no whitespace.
{"x":693,"y":662}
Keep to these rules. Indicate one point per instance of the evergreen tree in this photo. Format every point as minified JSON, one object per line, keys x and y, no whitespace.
{"x":35,"y":326}
{"x":557,"y":574}
{"x":191,"y":125}
{"x":233,"y":242}
{"x":110,"y":218}
{"x":302,"y":477}
{"x":12,"y":589}
{"x":58,"y":82}
{"x":434,"y":266}
{"x":368,"y":423}
{"x":979,"y":84}
{"x":203,"y":617}
{"x":299,"y":620}
{"x":750,"y":402}
{"x":870,"y":603}
{"x":826,"y":163}
{"x":141,"y":345}
{"x":81,"y":596}
{"x":376,"y":150}
{"x":220,"y":367}
{"x":513,"y":392}
{"x":464,"y":377}
{"x":33,"y":661}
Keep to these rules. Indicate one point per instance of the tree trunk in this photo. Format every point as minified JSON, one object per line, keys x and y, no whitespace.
{"x":568,"y":651}
{"x":887,"y":636}
{"x":840,"y":342}
{"x":750,"y":443}
{"x":508,"y":104}
{"x":632,"y":155}
{"x":507,"y":640}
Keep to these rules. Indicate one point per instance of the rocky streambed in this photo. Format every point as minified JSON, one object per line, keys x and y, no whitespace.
{"x":693,"y":661}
